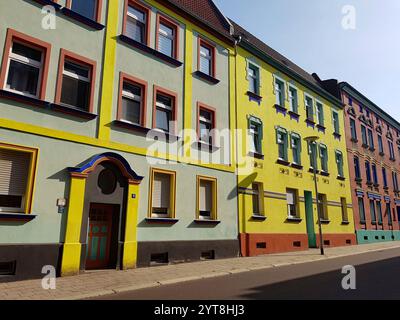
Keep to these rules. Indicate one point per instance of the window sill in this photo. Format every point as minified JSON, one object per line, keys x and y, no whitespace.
{"x":392,"y":159}
{"x":17,"y":216}
{"x":206,"y":77}
{"x":162,"y":220}
{"x":49,"y":3}
{"x":149,"y":50}
{"x":325,"y":174}
{"x":345,"y":223}
{"x":258,"y":218}
{"x":283,"y":162}
{"x":82,"y":19}
{"x":253,"y":96}
{"x":294,"y":220}
{"x":323,"y":221}
{"x":321,"y":128}
{"x":210,"y":222}
{"x":358,"y":180}
{"x":297,"y":166}
{"x":365,"y":146}
{"x":381,"y":154}
{"x":376,"y":185}
{"x":337,"y":136}
{"x":386,"y":188}
{"x":372,"y":149}
{"x":280,"y":109}
{"x":363,"y":222}
{"x":354,"y":140}
{"x":73,"y":111}
{"x":131,"y":126}
{"x":369,"y":184}
{"x":203,"y":146}
{"x":294,"y":115}
{"x":256,"y":155}
{"x":311,"y":170}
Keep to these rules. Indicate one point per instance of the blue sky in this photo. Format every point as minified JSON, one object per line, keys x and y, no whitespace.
{"x":310,"y":33}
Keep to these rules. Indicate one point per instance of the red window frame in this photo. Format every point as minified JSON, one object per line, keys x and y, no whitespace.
{"x":203,"y":43}
{"x":172,"y":24}
{"x":202,"y":106}
{"x":174,"y":97}
{"x":13,"y":35}
{"x":70,"y":56}
{"x":123,"y":77}
{"x":99,"y":5}
{"x":140,"y":7}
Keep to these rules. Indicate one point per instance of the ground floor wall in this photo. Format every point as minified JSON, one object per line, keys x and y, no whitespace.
{"x":373,"y":236}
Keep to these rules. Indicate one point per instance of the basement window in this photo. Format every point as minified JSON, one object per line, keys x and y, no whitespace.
{"x":159,"y":259}
{"x":8,"y":268}
{"x":297,"y":244}
{"x":261,"y":245}
{"x":208,"y":255}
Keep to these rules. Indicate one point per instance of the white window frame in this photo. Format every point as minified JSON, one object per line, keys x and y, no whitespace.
{"x":160,"y":105}
{"x":285,"y":146}
{"x":171,"y":37}
{"x":318,"y":112}
{"x":278,"y":79}
{"x":334,"y":112}
{"x":290,"y":98}
{"x":131,"y":96}
{"x":295,"y":203}
{"x":257,"y":78}
{"x":324,"y":147}
{"x":306,"y":95}
{"x":206,"y":121}
{"x":294,"y":135}
{"x":209,"y":57}
{"x":130,"y":15}
{"x":27,"y":61}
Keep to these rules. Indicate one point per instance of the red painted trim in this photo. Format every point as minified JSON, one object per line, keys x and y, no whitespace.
{"x":202,"y":106}
{"x":141,"y":7}
{"x":123,"y":77}
{"x":99,"y":6}
{"x":13,"y":35}
{"x":204,"y":43}
{"x":172,"y":24}
{"x":174,"y":96}
{"x":68,"y":55}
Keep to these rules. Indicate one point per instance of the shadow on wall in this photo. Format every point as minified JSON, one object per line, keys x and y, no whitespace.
{"x":245,"y":183}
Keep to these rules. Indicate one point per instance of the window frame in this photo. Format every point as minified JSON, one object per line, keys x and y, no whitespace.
{"x":140,"y":7}
{"x":345,"y":213}
{"x":340,"y":164}
{"x":66,"y":55}
{"x":260,"y":190}
{"x":361,"y":209}
{"x":353,"y":129}
{"x":16,"y":36}
{"x":256,"y":78}
{"x":290,"y":97}
{"x":202,"y":106}
{"x":336,"y":123}
{"x":306,"y":97}
{"x":371,"y":142}
{"x":364,"y":135}
{"x":214,"y":183}
{"x":213,"y":49}
{"x":296,"y":204}
{"x":357,"y":167}
{"x":172,"y":174}
{"x":324,"y":159}
{"x":285,"y":143}
{"x":31,"y":179}
{"x":298,"y":150}
{"x":98,"y":11}
{"x":123,"y":77}
{"x":169,"y":22}
{"x":279,"y":80}
{"x":319,"y":114}
{"x":174,"y":113}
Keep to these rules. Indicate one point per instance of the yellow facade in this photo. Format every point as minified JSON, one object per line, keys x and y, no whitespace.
{"x":276,"y":178}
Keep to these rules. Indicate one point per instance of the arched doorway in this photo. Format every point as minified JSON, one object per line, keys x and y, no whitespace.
{"x":102,"y":215}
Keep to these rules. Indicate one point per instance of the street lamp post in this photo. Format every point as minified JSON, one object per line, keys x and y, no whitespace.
{"x":311,"y":140}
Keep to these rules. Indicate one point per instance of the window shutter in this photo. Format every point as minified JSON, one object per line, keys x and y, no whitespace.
{"x":205,"y":203}
{"x":161,"y":190}
{"x":14,"y":171}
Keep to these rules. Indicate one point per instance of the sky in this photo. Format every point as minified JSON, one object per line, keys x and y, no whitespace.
{"x":366,"y":53}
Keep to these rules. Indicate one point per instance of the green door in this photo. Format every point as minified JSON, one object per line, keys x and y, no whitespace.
{"x":312,"y":238}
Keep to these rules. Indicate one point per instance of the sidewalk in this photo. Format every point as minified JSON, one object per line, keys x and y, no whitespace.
{"x":94,"y":284}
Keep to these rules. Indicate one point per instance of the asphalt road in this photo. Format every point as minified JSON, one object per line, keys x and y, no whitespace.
{"x":377,"y":277}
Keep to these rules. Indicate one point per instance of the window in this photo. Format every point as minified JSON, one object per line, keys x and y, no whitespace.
{"x":296,"y":148}
{"x":336,"y":123}
{"x":353,"y":129}
{"x":323,"y":206}
{"x":345,"y":215}
{"x":339,"y":162}
{"x":164,"y":115}
{"x":206,"y":56}
{"x":380,"y":144}
{"x":207,"y":198}
{"x":17,"y":174}
{"x":293,"y":99}
{"x":137,"y":22}
{"x":361,"y":209}
{"x":282,"y":141}
{"x":372,"y":210}
{"x":385,"y":182}
{"x":257,"y":199}
{"x":357,"y":168}
{"x":253,"y":75}
{"x":389,"y":213}
{"x":167,"y":37}
{"x":132,"y":104}
{"x":368,"y":171}
{"x":391,"y":150}
{"x":76,"y":82}
{"x":90,"y":9}
{"x":364,"y":135}
{"x":371,"y":139}
{"x":323,"y":152}
{"x":379,"y":212}
{"x":395,"y":181}
{"x":280,"y":92}
{"x":206,"y":124}
{"x":309,"y":108}
{"x":292,"y":203}
{"x":320,"y":114}
{"x":374,"y":174}
{"x":25,"y":65}
{"x":255,"y":130}
{"x":162,"y":194}
{"x":313,"y":155}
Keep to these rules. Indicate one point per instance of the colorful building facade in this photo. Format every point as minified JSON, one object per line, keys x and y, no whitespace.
{"x":96,"y":168}
{"x":280,"y":105}
{"x":373,"y":146}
